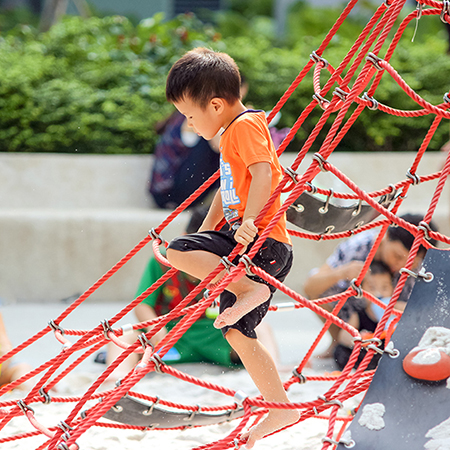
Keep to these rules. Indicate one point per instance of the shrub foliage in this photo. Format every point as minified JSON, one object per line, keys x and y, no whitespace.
{"x":97,"y":85}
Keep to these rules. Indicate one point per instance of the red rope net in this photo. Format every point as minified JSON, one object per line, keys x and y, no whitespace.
{"x":357,"y":78}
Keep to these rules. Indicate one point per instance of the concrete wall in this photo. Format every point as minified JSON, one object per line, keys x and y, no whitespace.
{"x":67,"y":219}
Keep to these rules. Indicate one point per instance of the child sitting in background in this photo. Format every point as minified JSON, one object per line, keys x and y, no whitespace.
{"x":378,"y":281}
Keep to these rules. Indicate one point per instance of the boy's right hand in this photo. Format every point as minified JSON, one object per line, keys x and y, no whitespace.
{"x":246,"y":233}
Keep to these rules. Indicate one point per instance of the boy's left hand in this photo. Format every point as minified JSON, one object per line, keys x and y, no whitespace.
{"x":245,"y":234}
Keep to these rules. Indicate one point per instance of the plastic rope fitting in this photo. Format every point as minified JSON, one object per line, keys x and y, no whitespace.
{"x":321,"y":161}
{"x":240,"y":397}
{"x":357,"y":289}
{"x":373,"y":103}
{"x":446,"y":98}
{"x":316,"y":58}
{"x":375,"y":60}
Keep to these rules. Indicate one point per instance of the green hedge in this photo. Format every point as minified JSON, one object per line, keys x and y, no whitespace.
{"x":97,"y":85}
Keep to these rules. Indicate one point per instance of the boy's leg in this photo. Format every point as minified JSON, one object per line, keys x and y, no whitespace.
{"x":261,"y":367}
{"x":200,"y":264}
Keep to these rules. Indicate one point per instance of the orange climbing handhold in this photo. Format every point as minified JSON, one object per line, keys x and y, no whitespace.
{"x":429,"y":364}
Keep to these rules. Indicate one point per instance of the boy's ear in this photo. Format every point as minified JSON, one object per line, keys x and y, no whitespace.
{"x":218,"y":104}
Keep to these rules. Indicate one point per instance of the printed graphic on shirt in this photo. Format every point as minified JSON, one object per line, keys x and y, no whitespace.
{"x":228,"y":192}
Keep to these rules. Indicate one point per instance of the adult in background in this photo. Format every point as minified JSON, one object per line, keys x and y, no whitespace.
{"x":346,"y":262}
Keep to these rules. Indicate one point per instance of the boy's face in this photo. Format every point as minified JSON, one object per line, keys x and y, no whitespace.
{"x":379,"y":284}
{"x":205,"y":122}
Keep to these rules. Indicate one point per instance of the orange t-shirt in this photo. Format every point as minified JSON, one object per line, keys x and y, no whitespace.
{"x":247,"y":141}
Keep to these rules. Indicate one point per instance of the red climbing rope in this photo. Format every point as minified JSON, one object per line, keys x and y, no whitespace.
{"x":355,"y":81}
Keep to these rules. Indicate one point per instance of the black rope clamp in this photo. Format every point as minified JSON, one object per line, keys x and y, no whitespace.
{"x":445,"y":10}
{"x":334,"y":402}
{"x":346,"y":443}
{"x":66,"y":429}
{"x":64,"y":446}
{"x":391,"y":351}
{"x":375,"y":60}
{"x":414,"y":177}
{"x":292,"y":173}
{"x":419,"y":9}
{"x":376,"y":341}
{"x":247,"y":263}
{"x":156,"y":236}
{"x":373,"y":103}
{"x":357,"y":289}
{"x":106,"y":328}
{"x":313,"y":189}
{"x":145,"y":341}
{"x":341,"y":93}
{"x":427,"y":276}
{"x":446,"y":98}
{"x":322,"y":101}
{"x":301,"y":378}
{"x":316,"y":58}
{"x":321,"y":161}
{"x":55,"y":327}
{"x":425,"y":227}
{"x":45,"y":395}
{"x":24,"y":407}
{"x":193,"y":413}
{"x":149,"y":411}
{"x":227,"y":263}
{"x":157,"y":361}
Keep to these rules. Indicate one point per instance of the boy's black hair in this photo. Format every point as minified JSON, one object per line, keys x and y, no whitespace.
{"x":405,"y":237}
{"x":203,"y":74}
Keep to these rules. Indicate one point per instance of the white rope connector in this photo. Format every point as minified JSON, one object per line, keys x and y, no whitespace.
{"x":240,"y":397}
{"x":127,"y":329}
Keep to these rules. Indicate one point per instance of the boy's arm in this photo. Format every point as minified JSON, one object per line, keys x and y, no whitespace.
{"x":215,"y":214}
{"x":258,"y":194}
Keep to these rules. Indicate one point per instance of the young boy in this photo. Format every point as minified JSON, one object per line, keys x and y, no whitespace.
{"x":378,"y":281}
{"x":204,"y":86}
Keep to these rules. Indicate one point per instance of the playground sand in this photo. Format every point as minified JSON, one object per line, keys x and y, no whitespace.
{"x":294,"y":332}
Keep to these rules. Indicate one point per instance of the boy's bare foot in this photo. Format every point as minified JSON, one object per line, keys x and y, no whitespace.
{"x":275,"y":420}
{"x":245,"y":303}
